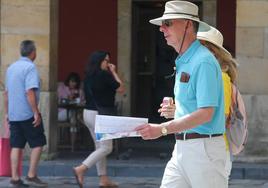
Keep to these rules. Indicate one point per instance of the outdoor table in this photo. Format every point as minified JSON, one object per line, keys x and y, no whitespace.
{"x":77,"y":109}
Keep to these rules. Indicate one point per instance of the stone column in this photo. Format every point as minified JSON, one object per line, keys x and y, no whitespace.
{"x":124,"y":53}
{"x":252,"y":50}
{"x":35,"y":20}
{"x":209,"y":13}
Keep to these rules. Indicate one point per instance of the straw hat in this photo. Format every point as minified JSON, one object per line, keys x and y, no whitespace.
{"x":180,"y":10}
{"x":213,"y":36}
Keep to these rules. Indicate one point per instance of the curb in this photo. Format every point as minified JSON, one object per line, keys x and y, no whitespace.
{"x":119,"y":168}
{"x":249,"y":171}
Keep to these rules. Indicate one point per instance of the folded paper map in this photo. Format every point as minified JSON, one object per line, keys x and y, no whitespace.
{"x":112,"y":127}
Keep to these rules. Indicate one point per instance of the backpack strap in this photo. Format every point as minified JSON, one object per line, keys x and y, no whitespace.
{"x":234,"y":96}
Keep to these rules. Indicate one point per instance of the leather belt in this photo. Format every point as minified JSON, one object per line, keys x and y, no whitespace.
{"x":187,"y":136}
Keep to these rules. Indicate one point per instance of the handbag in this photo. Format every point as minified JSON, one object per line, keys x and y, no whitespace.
{"x":5,"y":149}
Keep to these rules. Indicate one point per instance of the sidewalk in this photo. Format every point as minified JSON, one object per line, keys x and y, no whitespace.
{"x":137,"y":171}
{"x":130,"y":182}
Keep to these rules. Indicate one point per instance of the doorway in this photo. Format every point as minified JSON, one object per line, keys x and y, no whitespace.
{"x":152,"y":61}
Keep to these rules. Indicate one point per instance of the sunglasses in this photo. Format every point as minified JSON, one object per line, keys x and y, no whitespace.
{"x":167,"y":23}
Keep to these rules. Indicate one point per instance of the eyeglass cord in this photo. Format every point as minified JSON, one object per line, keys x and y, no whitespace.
{"x":174,"y":72}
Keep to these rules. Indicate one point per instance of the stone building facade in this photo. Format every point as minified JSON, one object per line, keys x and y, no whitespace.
{"x":251,"y":53}
{"x":38,"y":20}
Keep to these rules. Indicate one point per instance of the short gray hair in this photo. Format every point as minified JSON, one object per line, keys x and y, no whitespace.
{"x":27,"y":47}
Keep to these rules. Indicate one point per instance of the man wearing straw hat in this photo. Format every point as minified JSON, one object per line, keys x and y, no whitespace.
{"x":199,"y":156}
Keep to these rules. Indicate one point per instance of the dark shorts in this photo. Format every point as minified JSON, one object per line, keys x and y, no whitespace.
{"x":24,"y":131}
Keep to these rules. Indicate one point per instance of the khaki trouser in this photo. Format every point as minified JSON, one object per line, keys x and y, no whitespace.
{"x":197,"y":163}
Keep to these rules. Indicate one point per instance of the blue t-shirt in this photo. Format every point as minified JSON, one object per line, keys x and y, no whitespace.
{"x":199,"y":84}
{"x":20,"y":77}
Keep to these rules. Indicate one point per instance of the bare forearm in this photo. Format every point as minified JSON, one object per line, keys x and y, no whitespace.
{"x":121,"y":88}
{"x":190,"y":121}
{"x":116,"y":77}
{"x":32,"y":101}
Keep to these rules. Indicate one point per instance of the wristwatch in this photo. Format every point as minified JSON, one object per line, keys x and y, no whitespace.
{"x":164,"y":131}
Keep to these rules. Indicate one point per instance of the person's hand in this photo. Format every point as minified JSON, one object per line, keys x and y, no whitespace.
{"x":111,"y":67}
{"x":149,"y":131}
{"x":4,"y":129}
{"x":37,"y":119}
{"x":6,"y":118}
{"x":167,"y":111}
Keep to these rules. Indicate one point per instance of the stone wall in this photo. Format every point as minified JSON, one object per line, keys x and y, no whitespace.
{"x":124,"y":52}
{"x":209,"y":12}
{"x":35,"y":20}
{"x":251,"y":51}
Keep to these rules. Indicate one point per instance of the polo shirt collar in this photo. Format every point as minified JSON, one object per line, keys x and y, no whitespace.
{"x":25,"y":59}
{"x":186,"y":56}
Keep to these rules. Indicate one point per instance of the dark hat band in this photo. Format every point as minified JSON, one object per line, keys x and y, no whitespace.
{"x":182,"y":14}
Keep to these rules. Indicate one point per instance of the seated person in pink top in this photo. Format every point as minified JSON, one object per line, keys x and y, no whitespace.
{"x":69,"y":91}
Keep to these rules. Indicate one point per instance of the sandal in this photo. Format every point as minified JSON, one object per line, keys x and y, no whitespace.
{"x":77,"y":179}
{"x":109,"y":185}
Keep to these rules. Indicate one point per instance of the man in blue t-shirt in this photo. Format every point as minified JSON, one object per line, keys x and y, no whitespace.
{"x":21,"y":109}
{"x":199,"y":156}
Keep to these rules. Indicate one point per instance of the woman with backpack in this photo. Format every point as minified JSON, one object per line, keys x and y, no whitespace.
{"x":213,"y":40}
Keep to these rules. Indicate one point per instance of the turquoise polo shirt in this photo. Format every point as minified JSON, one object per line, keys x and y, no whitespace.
{"x":198,"y":85}
{"x":20,"y":77}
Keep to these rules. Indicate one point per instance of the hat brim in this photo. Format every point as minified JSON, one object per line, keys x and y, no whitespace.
{"x":203,"y":27}
{"x":221,"y":47}
{"x":207,"y":39}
